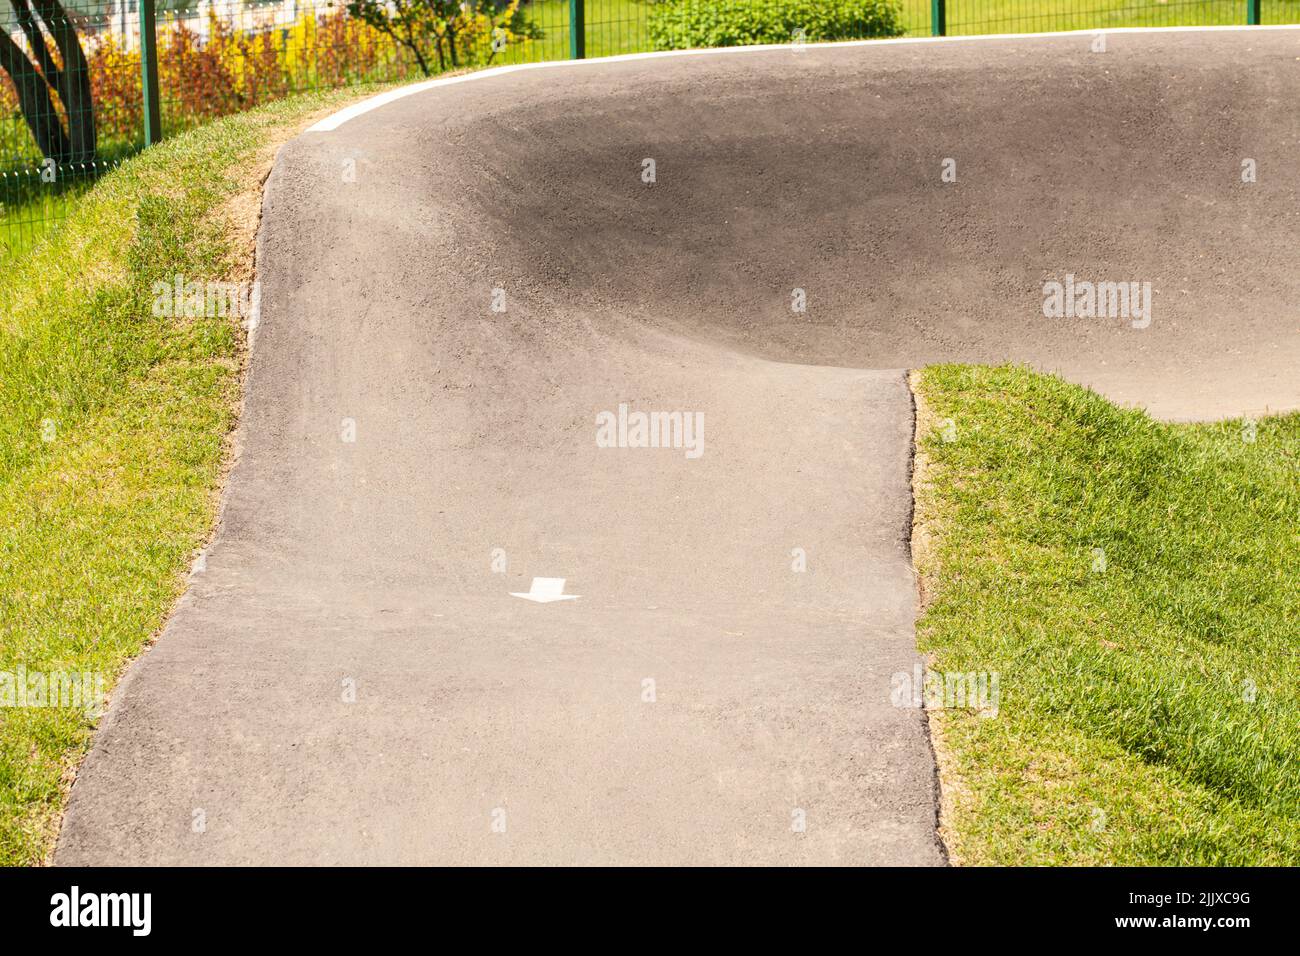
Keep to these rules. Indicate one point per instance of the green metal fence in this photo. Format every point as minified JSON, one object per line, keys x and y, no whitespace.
{"x":87,"y":83}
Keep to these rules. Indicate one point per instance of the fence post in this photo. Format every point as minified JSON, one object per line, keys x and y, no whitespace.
{"x":149,"y":74}
{"x":577,"y":29}
{"x":939,"y":17}
{"x":1252,"y":13}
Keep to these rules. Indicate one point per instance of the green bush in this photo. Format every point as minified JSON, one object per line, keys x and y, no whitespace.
{"x":683,"y":24}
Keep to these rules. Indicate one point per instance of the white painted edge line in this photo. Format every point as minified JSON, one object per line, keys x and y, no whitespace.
{"x":335,"y":120}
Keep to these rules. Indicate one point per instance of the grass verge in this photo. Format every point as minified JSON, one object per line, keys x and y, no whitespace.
{"x":1133,"y":585}
{"x":113,"y":432}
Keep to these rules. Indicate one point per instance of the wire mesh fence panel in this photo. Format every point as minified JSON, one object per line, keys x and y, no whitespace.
{"x":971,"y":17}
{"x":35,"y":197}
{"x":50,"y":140}
{"x":618,"y":26}
{"x":71,"y":91}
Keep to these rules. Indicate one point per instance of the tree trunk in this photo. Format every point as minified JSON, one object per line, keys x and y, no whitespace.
{"x":442,"y":63}
{"x":73,"y":82}
{"x":451,"y":43}
{"x":412,"y":45}
{"x":35,"y":39}
{"x":34,"y":100}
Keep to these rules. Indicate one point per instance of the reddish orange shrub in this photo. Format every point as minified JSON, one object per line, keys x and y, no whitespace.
{"x":229,"y":70}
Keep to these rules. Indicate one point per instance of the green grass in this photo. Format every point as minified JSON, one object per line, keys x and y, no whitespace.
{"x":112,"y":429}
{"x":1034,"y":16}
{"x":29,"y":205}
{"x":1149,"y":711}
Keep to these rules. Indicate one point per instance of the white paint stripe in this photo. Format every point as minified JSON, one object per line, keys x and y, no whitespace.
{"x":334,"y":121}
{"x":545,"y":590}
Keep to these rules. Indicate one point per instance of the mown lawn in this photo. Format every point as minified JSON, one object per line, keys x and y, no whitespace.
{"x":1135,"y":586}
{"x":1034,"y":16}
{"x":113,"y":427}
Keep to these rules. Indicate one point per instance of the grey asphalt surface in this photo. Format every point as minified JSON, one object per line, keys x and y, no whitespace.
{"x":369,"y":563}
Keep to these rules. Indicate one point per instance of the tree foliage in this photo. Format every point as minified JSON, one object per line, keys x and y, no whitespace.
{"x":448,"y":33}
{"x":684,"y":24}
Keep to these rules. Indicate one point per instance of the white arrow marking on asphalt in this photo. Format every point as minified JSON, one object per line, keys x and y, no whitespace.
{"x":545,"y":590}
